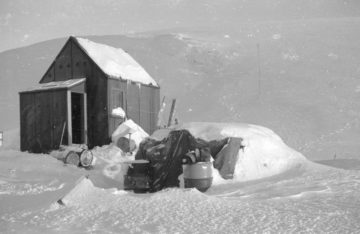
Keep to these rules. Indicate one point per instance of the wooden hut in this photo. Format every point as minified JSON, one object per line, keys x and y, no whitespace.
{"x":75,"y":97}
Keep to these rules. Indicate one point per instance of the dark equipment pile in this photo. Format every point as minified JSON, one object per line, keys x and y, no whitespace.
{"x":166,"y":157}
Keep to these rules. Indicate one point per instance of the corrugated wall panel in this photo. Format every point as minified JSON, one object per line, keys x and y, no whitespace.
{"x":116,"y":98}
{"x":145,"y":108}
{"x":155,"y":107}
{"x":133,"y":102}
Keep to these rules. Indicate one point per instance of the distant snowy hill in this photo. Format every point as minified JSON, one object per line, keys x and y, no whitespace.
{"x":26,"y":22}
{"x":303,"y":81}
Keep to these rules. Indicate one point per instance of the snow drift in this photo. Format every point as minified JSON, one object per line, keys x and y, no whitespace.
{"x":264,"y":154}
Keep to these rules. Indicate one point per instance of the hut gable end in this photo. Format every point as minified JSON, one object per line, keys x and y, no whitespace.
{"x":78,"y":56}
{"x":72,"y":62}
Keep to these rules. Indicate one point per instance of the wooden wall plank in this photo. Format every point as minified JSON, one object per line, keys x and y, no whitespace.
{"x":27,"y":121}
{"x":43,"y":123}
{"x":97,"y":107}
{"x":81,"y":65}
{"x":59,"y":109}
{"x":49,"y":75}
{"x":63,"y":64}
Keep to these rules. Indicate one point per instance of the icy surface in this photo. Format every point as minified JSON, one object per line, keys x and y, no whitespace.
{"x":295,"y":196}
{"x":116,"y":62}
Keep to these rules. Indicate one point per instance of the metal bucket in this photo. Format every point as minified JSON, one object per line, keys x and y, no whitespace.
{"x":198,"y":175}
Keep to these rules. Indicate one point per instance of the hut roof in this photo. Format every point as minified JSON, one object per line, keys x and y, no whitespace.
{"x":67,"y":84}
{"x":115,"y":62}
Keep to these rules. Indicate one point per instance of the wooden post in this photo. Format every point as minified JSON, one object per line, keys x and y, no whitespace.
{"x":69,"y":117}
{"x":62,"y":134}
{"x":85,"y":119}
{"x":171,"y":112}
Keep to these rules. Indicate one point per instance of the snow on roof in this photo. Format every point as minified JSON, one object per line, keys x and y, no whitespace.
{"x":115,"y":62}
{"x":67,"y":84}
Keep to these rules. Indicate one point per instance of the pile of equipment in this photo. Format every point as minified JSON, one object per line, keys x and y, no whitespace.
{"x":158,"y":164}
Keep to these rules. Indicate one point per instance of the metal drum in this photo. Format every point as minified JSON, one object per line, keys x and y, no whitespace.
{"x":198,"y":175}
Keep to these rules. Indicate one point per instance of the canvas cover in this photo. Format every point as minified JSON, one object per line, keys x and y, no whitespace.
{"x":128,"y":134}
{"x":226,"y":159}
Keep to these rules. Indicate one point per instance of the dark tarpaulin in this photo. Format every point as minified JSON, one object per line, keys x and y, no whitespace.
{"x":166,"y":157}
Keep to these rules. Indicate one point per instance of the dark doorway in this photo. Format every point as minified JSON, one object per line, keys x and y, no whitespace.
{"x":77,"y":118}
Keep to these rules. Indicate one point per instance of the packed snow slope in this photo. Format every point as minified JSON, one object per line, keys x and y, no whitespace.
{"x":288,"y":195}
{"x":309,"y":77}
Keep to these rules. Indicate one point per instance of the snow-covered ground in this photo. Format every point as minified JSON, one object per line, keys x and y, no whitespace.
{"x":275,"y":190}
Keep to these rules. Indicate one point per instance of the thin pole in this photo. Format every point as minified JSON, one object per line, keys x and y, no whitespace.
{"x":259,"y":70}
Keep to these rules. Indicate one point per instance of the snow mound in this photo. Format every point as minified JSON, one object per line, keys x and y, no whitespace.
{"x":11,"y":140}
{"x":109,"y":169}
{"x":115,"y":62}
{"x":264,"y":155}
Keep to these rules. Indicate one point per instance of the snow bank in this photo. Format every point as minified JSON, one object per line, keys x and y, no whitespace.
{"x":11,"y":140}
{"x":264,"y":155}
{"x":115,"y":62}
{"x":109,"y":171}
